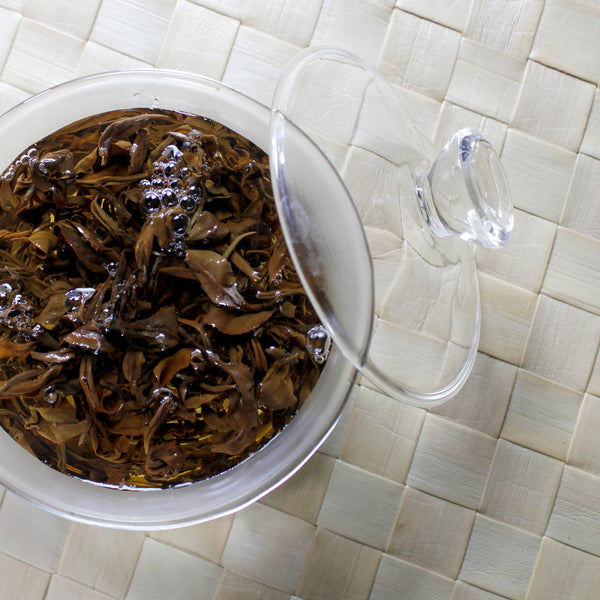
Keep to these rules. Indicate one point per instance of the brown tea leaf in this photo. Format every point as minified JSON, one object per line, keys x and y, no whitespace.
{"x":86,"y":255}
{"x":215,"y":276}
{"x":29,"y":382}
{"x":9,"y":201}
{"x":43,"y":241}
{"x":53,"y":312}
{"x":278,"y":259}
{"x":138,"y":151}
{"x":15,"y":350}
{"x":54,"y":357}
{"x":133,"y":361}
{"x":143,"y":246}
{"x":163,"y":461}
{"x":128,"y":424}
{"x":86,"y":164}
{"x":235,"y":324}
{"x":276,"y":390}
{"x":122,"y":128}
{"x":207,"y":227}
{"x":58,"y":432}
{"x":159,"y":330}
{"x":168,"y":367}
{"x":89,"y":339}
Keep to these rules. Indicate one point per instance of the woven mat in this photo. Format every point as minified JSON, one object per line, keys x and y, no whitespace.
{"x":496,"y":494}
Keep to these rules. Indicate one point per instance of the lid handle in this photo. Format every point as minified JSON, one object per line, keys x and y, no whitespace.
{"x":466,"y":192}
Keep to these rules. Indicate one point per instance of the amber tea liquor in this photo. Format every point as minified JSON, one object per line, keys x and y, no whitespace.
{"x":153,"y":328}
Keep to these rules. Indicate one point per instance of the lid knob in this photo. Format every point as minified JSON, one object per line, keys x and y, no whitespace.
{"x":466,"y":192}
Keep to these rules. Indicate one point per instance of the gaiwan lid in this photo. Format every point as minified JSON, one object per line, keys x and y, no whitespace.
{"x":378,"y":227}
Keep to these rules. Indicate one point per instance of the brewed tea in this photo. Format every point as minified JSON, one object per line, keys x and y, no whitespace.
{"x":153,"y":329}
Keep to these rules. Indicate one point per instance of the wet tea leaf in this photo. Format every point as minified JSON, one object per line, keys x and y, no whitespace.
{"x":215,"y":274}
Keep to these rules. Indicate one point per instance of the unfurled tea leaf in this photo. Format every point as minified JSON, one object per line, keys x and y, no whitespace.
{"x":277,"y":259}
{"x":207,"y":227}
{"x":57,"y":432}
{"x":84,"y":252}
{"x":43,"y":241}
{"x":133,"y":361}
{"x":28,"y":382}
{"x":123,"y":128}
{"x":88,"y":339}
{"x":86,"y":164}
{"x":15,"y":350}
{"x":277,"y":388}
{"x":138,"y":151}
{"x":160,"y":329}
{"x":55,"y":357}
{"x":143,"y":246}
{"x":168,"y":367}
{"x":53,"y":312}
{"x":216,"y":276}
{"x":233,"y":323}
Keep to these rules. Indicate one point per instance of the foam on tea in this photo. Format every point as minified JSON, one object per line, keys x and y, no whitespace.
{"x":153,"y":330}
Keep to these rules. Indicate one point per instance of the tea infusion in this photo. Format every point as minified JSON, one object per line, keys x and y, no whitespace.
{"x":153,"y":330}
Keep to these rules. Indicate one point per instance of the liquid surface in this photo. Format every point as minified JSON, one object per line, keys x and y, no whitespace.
{"x":153,"y":330}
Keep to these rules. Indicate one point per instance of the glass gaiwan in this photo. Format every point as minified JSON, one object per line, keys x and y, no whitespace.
{"x":375,"y":225}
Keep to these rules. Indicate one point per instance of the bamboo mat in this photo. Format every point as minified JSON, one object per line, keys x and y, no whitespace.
{"x":494,"y":495}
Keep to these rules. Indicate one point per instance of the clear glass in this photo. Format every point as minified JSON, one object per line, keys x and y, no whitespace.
{"x":466,"y":192}
{"x":426,"y":317}
{"x":325,"y":237}
{"x":159,"y":509}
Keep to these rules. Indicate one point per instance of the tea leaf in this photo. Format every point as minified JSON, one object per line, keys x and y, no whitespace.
{"x":235,"y":324}
{"x":215,"y":276}
{"x":122,"y":128}
{"x":14,"y":350}
{"x":29,"y":382}
{"x":277,"y":388}
{"x":168,"y":367}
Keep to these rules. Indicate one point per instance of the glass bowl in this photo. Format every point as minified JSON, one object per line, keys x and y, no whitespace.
{"x":231,"y":490}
